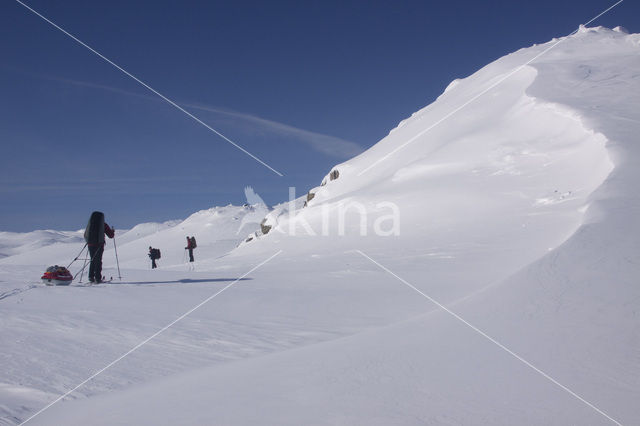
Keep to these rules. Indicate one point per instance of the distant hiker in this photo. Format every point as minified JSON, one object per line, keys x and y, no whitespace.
{"x":154,"y":254}
{"x":191,"y":244}
{"x":94,"y":236}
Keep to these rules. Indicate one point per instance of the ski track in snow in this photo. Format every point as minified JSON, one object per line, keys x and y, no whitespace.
{"x":16,"y":291}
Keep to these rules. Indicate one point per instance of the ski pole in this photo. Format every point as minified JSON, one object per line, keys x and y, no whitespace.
{"x":78,"y":256}
{"x":116,"y":250}
{"x":82,"y":270}
{"x":84,"y":266}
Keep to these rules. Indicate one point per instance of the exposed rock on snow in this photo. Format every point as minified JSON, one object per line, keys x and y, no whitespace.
{"x":264,"y":227}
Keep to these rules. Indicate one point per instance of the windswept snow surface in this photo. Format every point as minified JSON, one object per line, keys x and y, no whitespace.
{"x":519,"y":213}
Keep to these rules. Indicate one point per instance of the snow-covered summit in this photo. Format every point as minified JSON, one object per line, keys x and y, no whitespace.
{"x":534,"y":124}
{"x":474,"y":110}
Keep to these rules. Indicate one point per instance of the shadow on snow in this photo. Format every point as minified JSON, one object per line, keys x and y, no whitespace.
{"x":183,"y":281}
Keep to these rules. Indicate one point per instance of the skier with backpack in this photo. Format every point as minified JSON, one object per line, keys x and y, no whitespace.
{"x":191,"y":244}
{"x":154,"y":254}
{"x":94,"y":236}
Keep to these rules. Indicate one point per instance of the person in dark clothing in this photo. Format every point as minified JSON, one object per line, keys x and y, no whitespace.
{"x":94,"y":236}
{"x":153,"y":255}
{"x":190,"y":246}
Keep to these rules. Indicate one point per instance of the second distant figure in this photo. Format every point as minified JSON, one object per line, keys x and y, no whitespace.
{"x":191,"y":244}
{"x":154,"y":254}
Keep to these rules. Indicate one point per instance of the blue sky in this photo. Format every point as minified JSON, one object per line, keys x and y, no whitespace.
{"x":302,"y":85}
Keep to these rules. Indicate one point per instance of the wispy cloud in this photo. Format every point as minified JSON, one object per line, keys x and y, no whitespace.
{"x":325,"y":144}
{"x":329,"y":145}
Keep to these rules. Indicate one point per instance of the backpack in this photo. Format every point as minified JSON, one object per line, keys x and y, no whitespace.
{"x":155,"y":253}
{"x":193,"y":242}
{"x":94,"y":232}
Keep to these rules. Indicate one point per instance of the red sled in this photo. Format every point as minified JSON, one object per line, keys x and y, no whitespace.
{"x":57,"y":275}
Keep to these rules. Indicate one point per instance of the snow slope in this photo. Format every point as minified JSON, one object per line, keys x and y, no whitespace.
{"x":519,"y":213}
